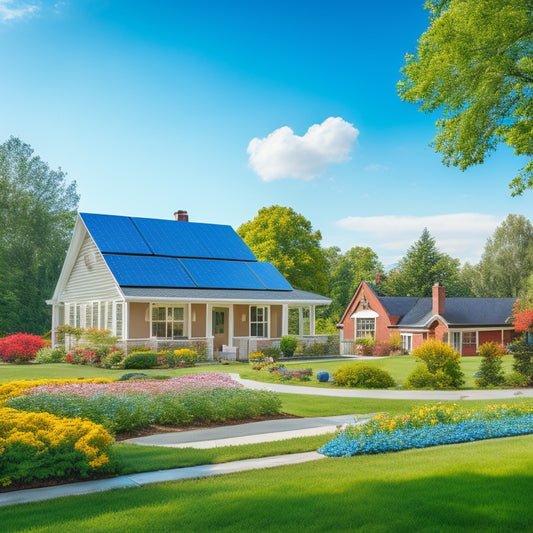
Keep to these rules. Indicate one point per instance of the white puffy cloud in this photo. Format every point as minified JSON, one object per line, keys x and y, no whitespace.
{"x":10,"y":10}
{"x":282,"y":154}
{"x":461,"y":235}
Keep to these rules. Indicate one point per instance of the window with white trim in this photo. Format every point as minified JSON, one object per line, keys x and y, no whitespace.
{"x":258,"y":321}
{"x":469,"y":337}
{"x":168,"y":321}
{"x":407,"y":343}
{"x":365,"y":327}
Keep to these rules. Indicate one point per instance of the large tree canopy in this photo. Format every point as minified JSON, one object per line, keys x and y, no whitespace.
{"x":422,"y":267}
{"x":507,"y":260}
{"x":475,"y":64}
{"x":37,"y":212}
{"x":346,"y":272}
{"x":286,"y":239}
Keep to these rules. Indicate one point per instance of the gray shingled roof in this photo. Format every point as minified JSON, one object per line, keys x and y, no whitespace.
{"x":462,"y":311}
{"x":295,"y":295}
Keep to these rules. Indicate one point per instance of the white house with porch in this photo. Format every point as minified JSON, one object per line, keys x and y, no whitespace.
{"x":175,"y":283}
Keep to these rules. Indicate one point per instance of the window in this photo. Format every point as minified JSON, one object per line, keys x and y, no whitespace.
{"x":168,"y":321}
{"x":469,"y":337}
{"x":258,"y":321}
{"x":365,"y":327}
{"x":95,"y":315}
{"x":407,"y":343}
{"x":456,"y":341}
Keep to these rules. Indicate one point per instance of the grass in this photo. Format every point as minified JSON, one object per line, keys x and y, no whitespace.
{"x":133,"y":458}
{"x":398,"y":366}
{"x":481,"y":486}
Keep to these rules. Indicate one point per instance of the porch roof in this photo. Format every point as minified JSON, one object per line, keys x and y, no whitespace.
{"x":294,"y":296}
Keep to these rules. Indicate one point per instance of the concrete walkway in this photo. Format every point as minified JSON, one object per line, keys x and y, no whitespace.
{"x":448,"y":395}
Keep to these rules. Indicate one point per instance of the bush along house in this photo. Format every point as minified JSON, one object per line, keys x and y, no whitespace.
{"x":464,"y":323}
{"x":173,"y":284}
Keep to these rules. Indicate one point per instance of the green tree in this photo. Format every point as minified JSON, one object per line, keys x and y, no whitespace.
{"x":347,"y":271}
{"x":422,"y":267}
{"x":475,"y":64}
{"x":37,"y":211}
{"x":286,"y":239}
{"x":507,"y":260}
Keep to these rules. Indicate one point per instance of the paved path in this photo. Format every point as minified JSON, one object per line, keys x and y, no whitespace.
{"x":478,"y":394}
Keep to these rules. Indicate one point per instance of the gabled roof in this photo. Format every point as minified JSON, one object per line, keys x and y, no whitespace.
{"x":462,"y":312}
{"x":144,"y":252}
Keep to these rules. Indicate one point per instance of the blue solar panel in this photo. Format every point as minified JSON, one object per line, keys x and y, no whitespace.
{"x":215,"y":274}
{"x":191,"y":239}
{"x":270,"y":276}
{"x":148,"y":271}
{"x":115,"y":234}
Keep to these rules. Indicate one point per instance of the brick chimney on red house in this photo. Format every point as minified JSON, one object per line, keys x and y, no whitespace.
{"x":182,"y":216}
{"x":439,"y":299}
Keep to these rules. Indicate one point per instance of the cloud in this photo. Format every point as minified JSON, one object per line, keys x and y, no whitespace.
{"x":282,"y":154}
{"x":461,"y":235}
{"x":11,"y":10}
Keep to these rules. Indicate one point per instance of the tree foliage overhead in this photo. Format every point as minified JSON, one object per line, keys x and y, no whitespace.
{"x":37,"y":212}
{"x":422,"y":267}
{"x":475,"y":64}
{"x":286,"y":239}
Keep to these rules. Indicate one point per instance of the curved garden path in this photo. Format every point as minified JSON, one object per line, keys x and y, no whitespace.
{"x":477,"y":394}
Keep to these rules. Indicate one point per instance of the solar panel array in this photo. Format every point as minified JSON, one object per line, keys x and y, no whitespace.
{"x":143,"y":252}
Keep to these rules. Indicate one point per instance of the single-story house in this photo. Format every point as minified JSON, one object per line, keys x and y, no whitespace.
{"x":168,"y":283}
{"x":464,"y":323}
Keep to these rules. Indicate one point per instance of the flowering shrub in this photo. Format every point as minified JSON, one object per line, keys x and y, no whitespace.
{"x":184,"y":357}
{"x":443,"y":367}
{"x":431,"y":426}
{"x":523,"y":320}
{"x":20,"y":348}
{"x":82,"y":356}
{"x":124,"y":406}
{"x":41,"y":446}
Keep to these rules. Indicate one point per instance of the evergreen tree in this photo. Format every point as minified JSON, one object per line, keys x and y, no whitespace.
{"x":422,"y":267}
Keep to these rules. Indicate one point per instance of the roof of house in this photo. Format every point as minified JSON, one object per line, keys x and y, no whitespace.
{"x":144,"y":253}
{"x":462,"y":311}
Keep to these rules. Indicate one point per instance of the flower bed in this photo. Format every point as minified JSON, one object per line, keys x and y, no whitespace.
{"x":41,"y":446}
{"x":431,"y":426}
{"x":124,"y":406}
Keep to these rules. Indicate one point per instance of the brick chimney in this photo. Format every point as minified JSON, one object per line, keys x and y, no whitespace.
{"x":439,"y":299}
{"x":182,"y":216}
{"x":378,"y":277}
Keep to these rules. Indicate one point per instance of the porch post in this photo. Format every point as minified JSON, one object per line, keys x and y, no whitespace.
{"x":189,"y":321}
{"x":55,"y":323}
{"x":312,"y":320}
{"x":208,"y":320}
{"x":300,"y":321}
{"x":230,"y":325}
{"x":284,"y":320}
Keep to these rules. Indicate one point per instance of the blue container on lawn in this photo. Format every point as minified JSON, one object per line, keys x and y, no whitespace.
{"x":323,"y":377}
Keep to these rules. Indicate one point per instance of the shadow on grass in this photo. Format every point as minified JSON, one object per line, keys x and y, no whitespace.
{"x":405,"y":492}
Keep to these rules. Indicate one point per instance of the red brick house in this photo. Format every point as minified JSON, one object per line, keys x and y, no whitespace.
{"x":464,"y":323}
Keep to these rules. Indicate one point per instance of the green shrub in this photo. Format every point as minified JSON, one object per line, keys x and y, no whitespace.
{"x":183,"y":357}
{"x":420,"y":378}
{"x":363,"y":376}
{"x":316,"y":350}
{"x":288,"y":345}
{"x":442,"y":361}
{"x":49,"y":355}
{"x":395,"y":342}
{"x":274,"y":352}
{"x":491,"y":371}
{"x":133,"y":376}
{"x":523,"y":358}
{"x":141,"y":360}
{"x":113,"y":359}
{"x":366,"y":341}
{"x":516,"y":380}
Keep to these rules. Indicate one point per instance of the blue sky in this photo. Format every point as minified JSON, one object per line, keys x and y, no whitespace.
{"x":206,"y":106}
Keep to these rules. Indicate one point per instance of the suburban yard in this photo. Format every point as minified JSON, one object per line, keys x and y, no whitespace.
{"x":478,"y":486}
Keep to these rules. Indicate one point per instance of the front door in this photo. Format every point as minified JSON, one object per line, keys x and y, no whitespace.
{"x":457,"y":341}
{"x":220,"y":327}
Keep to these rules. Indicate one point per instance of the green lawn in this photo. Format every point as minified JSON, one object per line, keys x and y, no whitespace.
{"x":398,"y":366}
{"x":482,"y":486}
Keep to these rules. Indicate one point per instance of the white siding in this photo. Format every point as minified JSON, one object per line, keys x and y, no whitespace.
{"x":90,"y":278}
